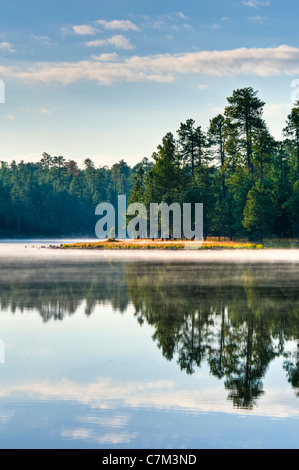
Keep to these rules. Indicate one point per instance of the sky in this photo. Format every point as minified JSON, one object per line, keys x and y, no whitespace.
{"x":107,"y":79}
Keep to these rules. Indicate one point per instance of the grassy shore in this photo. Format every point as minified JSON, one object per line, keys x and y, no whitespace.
{"x":209,"y":244}
{"x":148,"y":244}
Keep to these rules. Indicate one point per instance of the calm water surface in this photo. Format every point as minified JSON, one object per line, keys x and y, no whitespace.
{"x":150,"y":350}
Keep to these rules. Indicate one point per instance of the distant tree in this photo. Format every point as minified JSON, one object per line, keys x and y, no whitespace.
{"x":59,"y":166}
{"x":239,"y":183}
{"x":145,"y":163}
{"x":137,"y":192}
{"x":292,"y":206}
{"x":46,"y":161}
{"x":121,"y":179}
{"x":263,"y":148}
{"x":166,"y":174}
{"x":280,"y":175}
{"x":244,"y":113}
{"x":259,"y":212}
{"x":292,"y":130}
{"x":217,"y":139}
{"x":203,"y":192}
{"x":191,"y":144}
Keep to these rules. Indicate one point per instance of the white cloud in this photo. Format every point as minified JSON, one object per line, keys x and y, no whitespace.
{"x":123,"y":25}
{"x":256,"y":3}
{"x":160,"y":78}
{"x":256,"y":19}
{"x":97,"y":43}
{"x":45,"y":111}
{"x":118,"y":41}
{"x":216,"y":26}
{"x":202,"y":87}
{"x":44,"y":39}
{"x":181,"y":15}
{"x":65,"y":31}
{"x":7,"y":47}
{"x":11,"y":117}
{"x":84,"y":29}
{"x":113,"y":57}
{"x":267,"y":62}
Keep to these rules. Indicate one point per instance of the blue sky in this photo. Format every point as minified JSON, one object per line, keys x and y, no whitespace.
{"x":107,"y":79}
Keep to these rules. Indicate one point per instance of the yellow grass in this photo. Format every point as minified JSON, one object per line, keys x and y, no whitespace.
{"x":148,"y":244}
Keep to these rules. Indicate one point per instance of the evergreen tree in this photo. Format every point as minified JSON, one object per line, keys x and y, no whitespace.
{"x":292,"y":130}
{"x":263,"y":149}
{"x":166,"y":174}
{"x":259,"y":212}
{"x":244,"y":112}
{"x":216,"y":137}
{"x":137,"y":192}
{"x":191,"y":144}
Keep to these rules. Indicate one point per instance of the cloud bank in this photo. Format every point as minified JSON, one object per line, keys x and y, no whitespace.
{"x":256,"y":3}
{"x":123,"y":25}
{"x":7,"y":47}
{"x":263,"y":62}
{"x":84,"y":29}
{"x":118,"y":41}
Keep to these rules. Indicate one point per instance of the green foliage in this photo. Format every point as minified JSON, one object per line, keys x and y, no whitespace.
{"x":259,"y":212}
{"x":137,"y":193}
{"x":247,"y":181}
{"x":191,"y":144}
{"x":292,"y":130}
{"x":244,"y":115}
{"x":54,"y":197}
{"x":166,"y":175}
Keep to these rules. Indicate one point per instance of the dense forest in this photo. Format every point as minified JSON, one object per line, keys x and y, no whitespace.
{"x":247,"y":180}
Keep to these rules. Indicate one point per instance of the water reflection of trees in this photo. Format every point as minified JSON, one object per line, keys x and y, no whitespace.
{"x":236,"y":318}
{"x":59,"y":291}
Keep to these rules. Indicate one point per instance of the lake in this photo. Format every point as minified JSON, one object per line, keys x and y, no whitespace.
{"x":159,"y":350}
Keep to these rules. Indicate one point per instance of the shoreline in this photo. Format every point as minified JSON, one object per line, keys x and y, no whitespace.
{"x":178,"y":245}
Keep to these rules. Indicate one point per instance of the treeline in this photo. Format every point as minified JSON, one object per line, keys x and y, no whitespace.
{"x":54,"y":197}
{"x":247,"y":180}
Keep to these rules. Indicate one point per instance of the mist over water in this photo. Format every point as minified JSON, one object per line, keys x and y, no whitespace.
{"x":120,"y":349}
{"x":40,"y":249}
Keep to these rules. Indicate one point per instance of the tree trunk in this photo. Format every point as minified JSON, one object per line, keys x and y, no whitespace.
{"x":261,"y":235}
{"x":18,"y":220}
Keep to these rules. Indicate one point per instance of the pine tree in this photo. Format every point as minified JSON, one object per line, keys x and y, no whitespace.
{"x":292,"y":130}
{"x":137,"y":192}
{"x":191,"y":144}
{"x":259,"y":212}
{"x":245,"y":115}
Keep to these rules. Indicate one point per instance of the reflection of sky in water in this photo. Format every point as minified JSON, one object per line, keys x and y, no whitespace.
{"x":101,"y":381}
